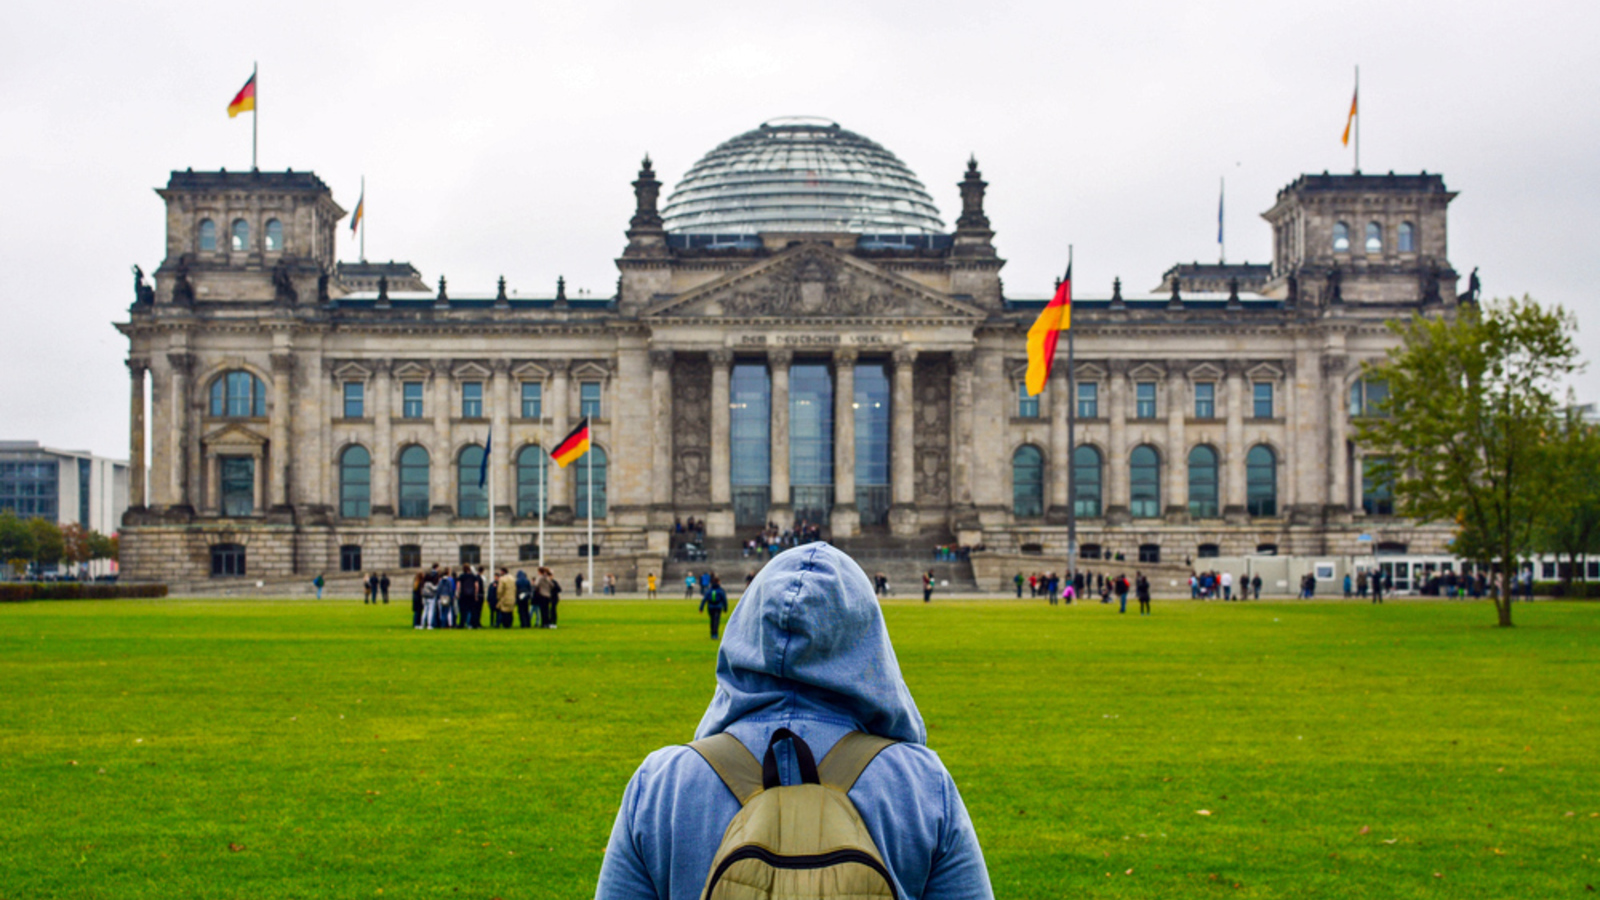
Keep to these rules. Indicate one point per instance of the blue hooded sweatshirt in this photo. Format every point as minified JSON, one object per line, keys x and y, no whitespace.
{"x":805,"y":649}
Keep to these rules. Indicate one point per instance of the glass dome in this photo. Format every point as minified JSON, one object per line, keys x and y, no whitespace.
{"x":800,"y":174}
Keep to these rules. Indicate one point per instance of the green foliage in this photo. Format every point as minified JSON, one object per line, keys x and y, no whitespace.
{"x":1471,"y":404}
{"x":1343,"y":750}
{"x":48,"y":545}
{"x":16,"y":541}
{"x":102,"y":547}
{"x":1569,"y":520}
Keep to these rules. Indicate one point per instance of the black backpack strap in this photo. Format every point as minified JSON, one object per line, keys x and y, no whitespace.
{"x":733,"y":763}
{"x":849,"y":758}
{"x":802,"y":754}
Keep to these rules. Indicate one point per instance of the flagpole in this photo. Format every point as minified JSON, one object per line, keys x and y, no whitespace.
{"x":589,"y":457}
{"x":255,"y":112}
{"x":487,"y":446}
{"x":1072,"y":434}
{"x":1222,"y":241}
{"x":543,"y":465}
{"x":363,"y":204}
{"x":1358,"y":120}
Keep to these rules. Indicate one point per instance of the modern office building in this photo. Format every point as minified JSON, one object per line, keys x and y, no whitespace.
{"x":64,"y":486}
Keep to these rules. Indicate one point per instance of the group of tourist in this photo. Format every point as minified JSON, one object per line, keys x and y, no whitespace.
{"x":772,"y":540}
{"x":446,"y":598}
{"x":373,"y":586}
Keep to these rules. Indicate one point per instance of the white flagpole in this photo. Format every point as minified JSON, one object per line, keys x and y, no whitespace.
{"x":543,"y":465}
{"x":590,"y":455}
{"x":363,"y":223}
{"x":487,"y":446}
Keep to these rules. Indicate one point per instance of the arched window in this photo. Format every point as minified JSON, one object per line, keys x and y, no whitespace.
{"x":1086,"y":481}
{"x":1027,"y":481}
{"x":1261,"y":480}
{"x":533,"y":476}
{"x":238,"y":395}
{"x":596,"y":458}
{"x":241,"y":234}
{"x":1144,"y":483}
{"x":1341,"y":237}
{"x":355,"y":482}
{"x":1374,"y":237}
{"x":472,"y":502}
{"x":413,"y":483}
{"x":1203,"y":482}
{"x":1407,"y":242}
{"x":208,"y":235}
{"x":274,"y":235}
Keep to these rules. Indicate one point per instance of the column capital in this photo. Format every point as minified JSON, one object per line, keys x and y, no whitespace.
{"x":661,"y":359}
{"x":181,"y":362}
{"x":558,"y":366}
{"x":1059,"y":372}
{"x":905,"y":356}
{"x":964,"y":360}
{"x":1177,"y":368}
{"x":721,"y":358}
{"x":381,"y":366}
{"x":441,"y":367}
{"x":500,"y":365}
{"x":137,"y":366}
{"x":1117,"y":367}
{"x":1333,"y":365}
{"x":1236,"y":367}
{"x":846,"y":355}
{"x":781,"y":356}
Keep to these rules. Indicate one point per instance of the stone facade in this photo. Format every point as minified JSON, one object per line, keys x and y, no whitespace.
{"x":314,"y":373}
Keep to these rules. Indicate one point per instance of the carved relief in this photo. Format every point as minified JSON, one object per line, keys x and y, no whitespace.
{"x":813,"y":286}
{"x":691,"y":430}
{"x":932,"y":432}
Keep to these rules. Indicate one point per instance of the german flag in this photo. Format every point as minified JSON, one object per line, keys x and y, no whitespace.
{"x":245,"y":100}
{"x":1042,"y":336}
{"x":572,"y":446}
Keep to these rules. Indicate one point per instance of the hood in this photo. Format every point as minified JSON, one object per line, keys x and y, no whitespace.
{"x":808,"y":637}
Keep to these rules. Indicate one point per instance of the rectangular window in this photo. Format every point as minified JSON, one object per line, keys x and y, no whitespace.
{"x":1368,"y":397}
{"x":354,"y":395}
{"x":227,"y":560}
{"x":532,"y":400}
{"x":350,"y":558}
{"x":1145,"y":400}
{"x":1377,"y":487}
{"x":1027,"y":407}
{"x":238,"y":485}
{"x":472,"y":400}
{"x":410,"y":556}
{"x":411,"y":400}
{"x":1088,"y":400}
{"x":589,"y":399}
{"x":1205,"y":401}
{"x":84,"y":468}
{"x":1263,"y":400}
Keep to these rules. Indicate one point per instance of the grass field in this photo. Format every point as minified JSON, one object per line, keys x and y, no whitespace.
{"x":298,"y":749}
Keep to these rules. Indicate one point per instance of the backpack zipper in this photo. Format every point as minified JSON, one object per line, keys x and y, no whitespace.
{"x":813,"y":861}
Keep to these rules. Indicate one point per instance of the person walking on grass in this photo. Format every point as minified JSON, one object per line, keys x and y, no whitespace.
{"x":383,"y":585}
{"x":1141,"y":587}
{"x":689,"y":585}
{"x":525,"y":593}
{"x":430,"y":604}
{"x":505,"y":598}
{"x":927,"y":586}
{"x":806,"y":673}
{"x":1122,"y":593}
{"x":318,"y":582}
{"x":417,"y":581}
{"x":714,"y":601}
{"x":1377,"y":587}
{"x":1018,"y":581}
{"x":650,"y":586}
{"x":555,"y":600}
{"x":1255,"y":585}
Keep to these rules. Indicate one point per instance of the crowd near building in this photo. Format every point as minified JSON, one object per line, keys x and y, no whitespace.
{"x":795,"y":338}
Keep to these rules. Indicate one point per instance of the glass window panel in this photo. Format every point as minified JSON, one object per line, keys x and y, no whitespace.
{"x":1027,"y":481}
{"x":750,"y":399}
{"x":872,"y":442}
{"x":533,"y":477}
{"x":472,"y":502}
{"x":350,"y":558}
{"x":274,"y":235}
{"x":472,"y":400}
{"x":1086,"y":481}
{"x":584,"y":477}
{"x":1407,"y":238}
{"x":227,"y":560}
{"x":811,"y":441}
{"x":208,"y":235}
{"x":1374,"y":238}
{"x":1377,"y":396}
{"x":355,"y":483}
{"x":532,"y":400}
{"x":1377,"y":486}
{"x":1144,"y":483}
{"x":354,"y":395}
{"x":411,"y":400}
{"x":1027,"y":407}
{"x":1203,"y":482}
{"x":1263,"y":400}
{"x":589,"y":399}
{"x":1341,"y":237}
{"x":1261,"y":480}
{"x":1205,"y":401}
{"x":1145,"y":392}
{"x":1088,"y":400}
{"x":241,"y":234}
{"x":238,"y":487}
{"x":413,"y":482}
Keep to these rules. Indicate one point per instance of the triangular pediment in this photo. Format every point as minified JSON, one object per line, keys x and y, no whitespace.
{"x":1147,"y":372}
{"x":1090,"y":372}
{"x":1263,"y":372}
{"x":234,"y":436}
{"x":470,"y":369}
{"x":589,"y":369}
{"x":1206,"y":372}
{"x":351,"y":371}
{"x":411,"y":369}
{"x":529,"y":371}
{"x":813,"y":281}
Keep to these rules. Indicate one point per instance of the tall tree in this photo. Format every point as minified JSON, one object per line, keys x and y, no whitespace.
{"x":1471,"y":404}
{"x":16,"y":542}
{"x":1569,"y":520}
{"x":48,"y":546}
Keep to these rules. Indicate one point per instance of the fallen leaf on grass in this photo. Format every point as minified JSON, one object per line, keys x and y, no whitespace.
{"x":1129,"y":872}
{"x":73,"y":762}
{"x":1391,"y":840}
{"x":235,"y":847}
{"x":1202,"y":812}
{"x":1438,"y":874}
{"x":1569,"y":814}
{"x":1365,"y":830}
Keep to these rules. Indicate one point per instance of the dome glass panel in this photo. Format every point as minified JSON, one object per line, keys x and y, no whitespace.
{"x":800,"y":174}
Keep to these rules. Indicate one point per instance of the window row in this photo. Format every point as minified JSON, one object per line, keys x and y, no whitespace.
{"x":1405,"y":238}
{"x":239,"y":394}
{"x":413,"y":481}
{"x":239,"y":236}
{"x":1262,"y":400}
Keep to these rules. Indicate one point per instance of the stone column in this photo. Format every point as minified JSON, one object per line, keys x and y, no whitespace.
{"x":501,"y":478}
{"x":1058,"y":394}
{"x":136,"y":370}
{"x":846,"y":516}
{"x":1308,"y":433}
{"x":383,"y":477}
{"x":1233,"y":481}
{"x":961,"y":437}
{"x":661,"y":432}
{"x":902,"y":445}
{"x":1177,"y":461}
{"x":721,"y":434}
{"x":779,"y":361}
{"x":278,"y":496}
{"x":560,"y":509}
{"x":1333,"y":368}
{"x":1114,"y":487}
{"x":184,"y":470}
{"x":441,"y":459}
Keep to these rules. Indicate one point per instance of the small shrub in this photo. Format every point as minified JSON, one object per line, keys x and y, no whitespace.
{"x":19,"y":592}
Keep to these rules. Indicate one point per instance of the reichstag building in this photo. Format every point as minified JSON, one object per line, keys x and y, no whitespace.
{"x":795,"y":335}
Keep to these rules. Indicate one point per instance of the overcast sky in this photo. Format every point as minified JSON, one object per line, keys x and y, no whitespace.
{"x":501,"y":138}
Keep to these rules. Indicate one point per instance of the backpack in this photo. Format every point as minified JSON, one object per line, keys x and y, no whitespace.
{"x":792,"y":841}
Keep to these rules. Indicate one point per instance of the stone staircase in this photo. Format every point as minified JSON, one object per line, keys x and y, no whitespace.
{"x":903,"y":560}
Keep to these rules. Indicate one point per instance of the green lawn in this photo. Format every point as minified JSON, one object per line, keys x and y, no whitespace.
{"x":296,"y":749}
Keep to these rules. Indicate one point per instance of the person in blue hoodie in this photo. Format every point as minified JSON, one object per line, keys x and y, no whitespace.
{"x":805,"y":649}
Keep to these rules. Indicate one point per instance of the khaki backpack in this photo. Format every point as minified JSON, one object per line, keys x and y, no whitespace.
{"x":795,"y":842}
